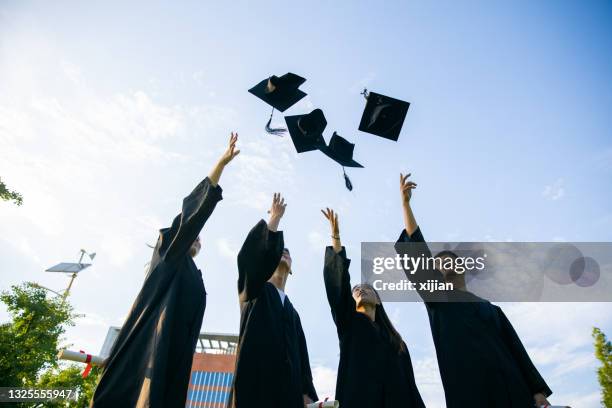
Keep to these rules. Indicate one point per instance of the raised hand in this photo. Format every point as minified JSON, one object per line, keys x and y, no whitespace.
{"x":540,"y":400}
{"x":307,"y":400}
{"x":276,"y":211}
{"x":231,"y":151}
{"x":406,"y":188}
{"x":332,"y":217}
{"x":228,"y":155}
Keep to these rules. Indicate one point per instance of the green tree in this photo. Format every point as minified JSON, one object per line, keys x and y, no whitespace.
{"x":9,"y":195}
{"x":603,"y":352}
{"x":70,"y":377}
{"x":29,"y":344}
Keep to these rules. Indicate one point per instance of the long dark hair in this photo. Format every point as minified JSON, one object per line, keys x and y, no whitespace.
{"x":397,"y":343}
{"x":382,"y":319}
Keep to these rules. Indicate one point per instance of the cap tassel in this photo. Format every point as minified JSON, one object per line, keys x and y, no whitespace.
{"x":274,"y":131}
{"x":365,"y":93}
{"x":347,"y":181}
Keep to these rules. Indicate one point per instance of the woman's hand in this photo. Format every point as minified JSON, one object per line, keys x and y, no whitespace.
{"x":406,"y":188}
{"x":307,"y":400}
{"x":540,"y":400}
{"x":228,"y":155}
{"x":231,"y":151}
{"x":332,"y":217}
{"x":276,"y":211}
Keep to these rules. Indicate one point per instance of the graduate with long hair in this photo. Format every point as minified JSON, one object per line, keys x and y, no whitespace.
{"x":375,"y":369}
{"x":150,"y":362}
{"x":481,"y":358}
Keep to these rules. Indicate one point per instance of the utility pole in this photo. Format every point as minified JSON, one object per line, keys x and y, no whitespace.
{"x":70,"y":268}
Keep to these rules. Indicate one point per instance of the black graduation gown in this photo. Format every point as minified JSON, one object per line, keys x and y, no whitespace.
{"x":481,"y":358}
{"x":272,"y":365}
{"x":150,"y":362}
{"x":370,"y":372}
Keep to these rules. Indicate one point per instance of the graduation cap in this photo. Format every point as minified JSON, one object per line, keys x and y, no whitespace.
{"x":383,"y":116}
{"x":279,"y":92}
{"x":341,"y":151}
{"x":306,"y":131}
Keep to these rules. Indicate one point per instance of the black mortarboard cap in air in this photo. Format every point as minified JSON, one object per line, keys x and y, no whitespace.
{"x":279,"y":92}
{"x":306,"y":131}
{"x":383,"y":116}
{"x":341,"y":151}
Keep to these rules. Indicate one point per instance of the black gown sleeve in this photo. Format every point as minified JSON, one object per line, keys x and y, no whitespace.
{"x":258,"y":258}
{"x":408,"y":381}
{"x":307,"y":384}
{"x":197,"y":208}
{"x":338,"y":288}
{"x":418,"y":249}
{"x":532,"y":377}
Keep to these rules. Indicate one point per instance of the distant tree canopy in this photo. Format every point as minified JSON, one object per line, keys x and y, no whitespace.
{"x":70,"y":377}
{"x":603,"y":352}
{"x":9,"y":195}
{"x":29,"y":344}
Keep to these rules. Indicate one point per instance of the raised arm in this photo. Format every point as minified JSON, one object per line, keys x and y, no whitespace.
{"x":228,"y":156}
{"x":412,"y":243}
{"x":538,"y":387}
{"x":337,"y":277}
{"x":406,"y":187}
{"x":197,"y":208}
{"x":261,"y":252}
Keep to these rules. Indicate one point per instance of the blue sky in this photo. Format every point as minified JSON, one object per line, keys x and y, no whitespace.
{"x":110,"y":113}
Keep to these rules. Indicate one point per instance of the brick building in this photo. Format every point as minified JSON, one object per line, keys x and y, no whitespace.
{"x":212,"y":371}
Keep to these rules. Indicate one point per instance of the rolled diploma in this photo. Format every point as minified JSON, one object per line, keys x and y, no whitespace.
{"x":79,"y":357}
{"x":324,"y":404}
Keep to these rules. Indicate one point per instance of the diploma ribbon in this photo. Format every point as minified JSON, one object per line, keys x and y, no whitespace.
{"x":88,"y":362}
{"x":321,"y":403}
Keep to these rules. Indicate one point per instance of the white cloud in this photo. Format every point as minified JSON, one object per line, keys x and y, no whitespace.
{"x":263,"y":167}
{"x":119,"y":247}
{"x":554,"y":191}
{"x":71,"y":71}
{"x":93,"y":319}
{"x":78,"y":155}
{"x":24,"y":245}
{"x":304,"y":105}
{"x":317,"y":241}
{"x":557,"y":337}
{"x":362,"y":83}
{"x":427,"y":377}
{"x":577,"y":400}
{"x":225,"y":249}
{"x":324,"y":379}
{"x":199,"y":77}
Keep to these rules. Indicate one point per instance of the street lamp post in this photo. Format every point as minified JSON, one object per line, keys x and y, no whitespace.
{"x":72,"y":268}
{"x":36,"y":285}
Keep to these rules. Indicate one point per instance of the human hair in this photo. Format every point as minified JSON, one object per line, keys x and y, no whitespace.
{"x":381,"y":317}
{"x":397,"y":343}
